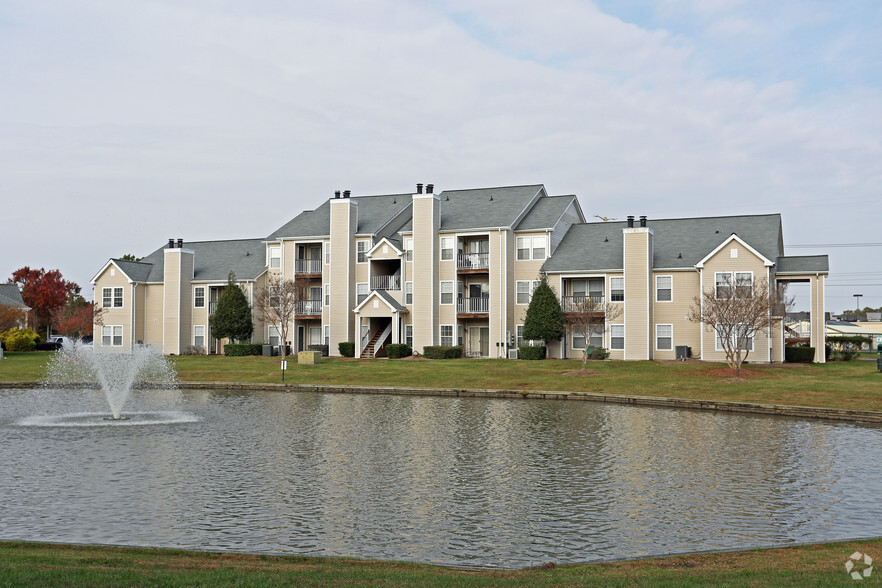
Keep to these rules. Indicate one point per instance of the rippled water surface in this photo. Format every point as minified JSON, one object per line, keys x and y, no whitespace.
{"x":445,"y":480}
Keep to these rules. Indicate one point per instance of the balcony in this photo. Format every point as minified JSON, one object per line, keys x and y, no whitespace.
{"x":212,"y":308}
{"x":386,"y":282}
{"x":308,"y":308}
{"x":472,"y":307}
{"x":472,"y":262}
{"x":308,"y":266}
{"x":592,"y":303}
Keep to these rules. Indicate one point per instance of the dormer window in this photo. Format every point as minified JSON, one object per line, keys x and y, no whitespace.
{"x":275,"y":257}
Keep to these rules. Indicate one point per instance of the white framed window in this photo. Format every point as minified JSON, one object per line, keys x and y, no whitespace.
{"x":328,"y":253}
{"x":446,"y":248}
{"x":617,"y":289}
{"x":664,"y":288}
{"x":408,"y":293}
{"x":361,"y":249}
{"x":273,"y":335}
{"x":447,"y":294}
{"x":519,"y":338}
{"x":727,"y":284}
{"x":408,"y":334}
{"x":327,"y":294}
{"x":734,"y":334}
{"x":523,"y":245}
{"x":315,"y":335}
{"x":112,"y":297}
{"x":617,"y":337}
{"x":664,"y":337}
{"x":327,"y":334}
{"x":111,"y":336}
{"x":578,"y":341}
{"x":275,"y":257}
{"x":595,"y":338}
{"x":199,"y":335}
{"x":460,"y":335}
{"x":447,"y":335}
{"x":408,"y":249}
{"x":117,"y":297}
{"x":524,"y":290}
{"x":362,"y":289}
{"x":539,"y":247}
{"x":199,"y":297}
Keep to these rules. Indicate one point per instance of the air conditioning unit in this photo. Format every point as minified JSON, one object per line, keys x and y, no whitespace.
{"x":512,"y":353}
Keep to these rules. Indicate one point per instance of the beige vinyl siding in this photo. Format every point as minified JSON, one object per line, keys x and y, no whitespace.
{"x":426,"y":271}
{"x":152,"y":310}
{"x":113,"y":277}
{"x":684,"y":287}
{"x":639,"y":335}
{"x":344,"y":219}
{"x":722,"y":261}
{"x":818,"y":335}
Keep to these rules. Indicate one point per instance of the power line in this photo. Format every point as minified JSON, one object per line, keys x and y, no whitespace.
{"x":809,"y":246}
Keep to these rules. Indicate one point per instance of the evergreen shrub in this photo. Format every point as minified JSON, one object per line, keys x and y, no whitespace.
{"x":598,"y":353}
{"x":322,"y":348}
{"x":347,"y":348}
{"x":21,"y":340}
{"x":242,"y":349}
{"x":398,"y":350}
{"x":442,"y":352}
{"x":531,"y":352}
{"x":799,"y":354}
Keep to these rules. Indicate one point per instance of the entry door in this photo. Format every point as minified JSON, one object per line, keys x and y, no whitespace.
{"x":479,"y":340}
{"x":301,"y":336}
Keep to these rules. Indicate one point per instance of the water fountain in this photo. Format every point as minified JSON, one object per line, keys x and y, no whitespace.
{"x":116,"y":374}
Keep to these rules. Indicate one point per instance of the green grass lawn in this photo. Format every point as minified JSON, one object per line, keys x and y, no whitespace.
{"x":854,"y":385}
{"x":32,"y":564}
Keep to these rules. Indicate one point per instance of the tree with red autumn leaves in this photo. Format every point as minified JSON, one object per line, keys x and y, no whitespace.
{"x":76,"y":318}
{"x":44,"y":291}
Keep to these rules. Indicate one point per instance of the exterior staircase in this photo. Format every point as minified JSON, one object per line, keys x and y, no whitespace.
{"x":368,"y":351}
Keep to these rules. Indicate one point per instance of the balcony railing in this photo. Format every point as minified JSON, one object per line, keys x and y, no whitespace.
{"x":212,"y":308}
{"x":307,"y":266}
{"x":471,"y":261}
{"x":477,"y":305}
{"x":308,"y":307}
{"x":582,"y":303}
{"x":386,"y":282}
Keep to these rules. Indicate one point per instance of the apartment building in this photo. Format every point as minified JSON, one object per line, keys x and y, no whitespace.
{"x":458,"y":268}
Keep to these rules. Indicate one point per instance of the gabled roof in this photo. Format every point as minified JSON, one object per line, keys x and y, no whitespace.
{"x":396,"y":245}
{"x":373,"y":214}
{"x":214,"y":260}
{"x":545,"y":213}
{"x":385,"y":297}
{"x":677,"y":243}
{"x":733,"y":237}
{"x":463,"y":210}
{"x":11,"y":296}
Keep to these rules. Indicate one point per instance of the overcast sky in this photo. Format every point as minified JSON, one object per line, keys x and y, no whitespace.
{"x":125,"y":123}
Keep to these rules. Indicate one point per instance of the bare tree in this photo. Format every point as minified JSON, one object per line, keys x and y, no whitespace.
{"x":587,"y":314}
{"x":738,"y":312}
{"x":276,"y":304}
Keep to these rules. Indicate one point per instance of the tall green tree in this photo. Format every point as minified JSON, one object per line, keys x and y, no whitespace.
{"x":545,"y":319}
{"x":232,"y":318}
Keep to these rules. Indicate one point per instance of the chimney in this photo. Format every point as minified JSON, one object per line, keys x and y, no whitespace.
{"x":346,"y":193}
{"x":180,"y":243}
{"x":430,"y":188}
{"x":336,"y":193}
{"x":630,"y":222}
{"x":419,"y":188}
{"x":171,"y":243}
{"x":643,"y":221}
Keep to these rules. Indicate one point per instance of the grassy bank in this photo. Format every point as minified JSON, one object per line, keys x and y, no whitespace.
{"x":24,"y":564}
{"x":853,"y":385}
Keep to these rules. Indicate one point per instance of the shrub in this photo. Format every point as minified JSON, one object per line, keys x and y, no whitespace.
{"x":598,"y":353}
{"x":192,"y":350}
{"x":347,"y":348}
{"x":21,"y":340}
{"x":322,"y":348}
{"x":241,"y":349}
{"x":531,"y":352}
{"x":799,"y":354}
{"x":398,"y":350}
{"x":442,"y":352}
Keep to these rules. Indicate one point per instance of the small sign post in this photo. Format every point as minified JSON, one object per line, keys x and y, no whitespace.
{"x":284,"y":367}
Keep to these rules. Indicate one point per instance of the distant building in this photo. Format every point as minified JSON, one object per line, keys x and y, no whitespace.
{"x":10,"y":296}
{"x":459,"y":268}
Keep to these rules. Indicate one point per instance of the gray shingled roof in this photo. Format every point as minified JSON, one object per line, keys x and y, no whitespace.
{"x":677,"y":243}
{"x":137,"y":271}
{"x":373,"y":213}
{"x":803,"y":264}
{"x":215,"y":259}
{"x":545,"y":213}
{"x":11,"y":296}
{"x":463,"y":210}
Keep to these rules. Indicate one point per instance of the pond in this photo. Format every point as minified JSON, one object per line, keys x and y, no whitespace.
{"x":464,"y":481}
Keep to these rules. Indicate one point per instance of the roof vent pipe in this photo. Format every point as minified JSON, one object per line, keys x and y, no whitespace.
{"x":346,"y":193}
{"x":336,"y":193}
{"x":630,"y":222}
{"x":642,"y":221}
{"x":430,"y":188}
{"x":171,"y":243}
{"x":180,"y":243}
{"x":419,"y":188}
